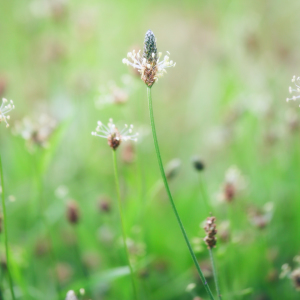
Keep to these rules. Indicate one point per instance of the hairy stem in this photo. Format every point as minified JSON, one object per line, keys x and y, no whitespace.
{"x":215,"y":273}
{"x":5,"y":233}
{"x":170,"y":196}
{"x":122,"y":223}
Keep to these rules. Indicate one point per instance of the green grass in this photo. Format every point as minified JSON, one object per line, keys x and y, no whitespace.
{"x":224,"y":101}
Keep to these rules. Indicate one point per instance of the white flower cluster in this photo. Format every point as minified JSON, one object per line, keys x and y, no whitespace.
{"x":296,"y":81}
{"x":5,"y":108}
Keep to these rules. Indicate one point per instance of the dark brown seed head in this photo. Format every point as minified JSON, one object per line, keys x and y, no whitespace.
{"x":150,"y":50}
{"x":72,"y":212}
{"x":211,"y":231}
{"x":198,"y":164}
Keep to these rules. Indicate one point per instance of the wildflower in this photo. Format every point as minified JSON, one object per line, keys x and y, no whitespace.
{"x":149,"y":65}
{"x":296,"y":81}
{"x":210,"y":229}
{"x":172,"y":168}
{"x":71,"y":295}
{"x":72,"y":212}
{"x":190,"y":287}
{"x":234,"y":182}
{"x":105,"y":204}
{"x":113,"y":135}
{"x":198,"y":163}
{"x":4,"y":109}
{"x":295,"y":276}
{"x":37,"y":132}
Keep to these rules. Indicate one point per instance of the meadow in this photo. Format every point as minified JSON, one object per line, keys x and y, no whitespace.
{"x":228,"y":139}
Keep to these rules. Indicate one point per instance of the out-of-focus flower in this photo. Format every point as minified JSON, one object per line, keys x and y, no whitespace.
{"x":198,"y":164}
{"x":128,"y":153}
{"x":172,"y":168}
{"x":113,"y":94}
{"x":295,"y":276}
{"x":37,"y":132}
{"x":292,"y":119}
{"x":234,"y":182}
{"x":3,"y":85}
{"x":285,"y":271}
{"x":104,"y":204}
{"x":149,"y":64}
{"x":262,"y":218}
{"x":72,"y":212}
{"x":71,"y":295}
{"x":113,"y":135}
{"x":295,"y":90}
{"x":64,"y":272}
{"x":5,"y":108}
{"x":48,"y":8}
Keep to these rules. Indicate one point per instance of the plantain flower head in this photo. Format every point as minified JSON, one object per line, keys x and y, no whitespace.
{"x":5,"y":108}
{"x":149,"y":64}
{"x":296,"y":89}
{"x":113,"y":135}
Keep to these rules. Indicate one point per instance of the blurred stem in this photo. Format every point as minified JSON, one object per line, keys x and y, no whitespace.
{"x":215,"y":273}
{"x":84,"y":270}
{"x":41,"y":215}
{"x":204,"y":195}
{"x":170,"y":196}
{"x":122,"y":223}
{"x":5,"y":233}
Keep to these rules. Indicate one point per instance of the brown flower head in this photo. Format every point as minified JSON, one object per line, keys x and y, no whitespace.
{"x":211,"y":231}
{"x":72,"y":212}
{"x":113,"y":135}
{"x":149,"y":65}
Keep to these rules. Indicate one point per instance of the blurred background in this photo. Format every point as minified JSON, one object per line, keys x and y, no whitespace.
{"x":222,"y":107}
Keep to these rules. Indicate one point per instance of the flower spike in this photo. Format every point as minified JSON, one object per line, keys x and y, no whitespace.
{"x":149,"y":65}
{"x":113,"y":135}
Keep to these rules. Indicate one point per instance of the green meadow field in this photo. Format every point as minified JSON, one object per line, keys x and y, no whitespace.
{"x":229,"y":143}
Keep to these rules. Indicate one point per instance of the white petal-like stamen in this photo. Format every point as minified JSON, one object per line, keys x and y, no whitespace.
{"x":5,"y":108}
{"x":113,"y":135}
{"x":296,"y":81}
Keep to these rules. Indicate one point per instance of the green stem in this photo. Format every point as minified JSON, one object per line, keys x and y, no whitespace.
{"x":170,"y":196}
{"x":122,"y":223}
{"x":43,"y":218}
{"x":204,"y":195}
{"x":215,"y":273}
{"x":5,"y":233}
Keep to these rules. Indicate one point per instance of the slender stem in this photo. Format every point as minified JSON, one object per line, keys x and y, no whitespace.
{"x":215,"y":273}
{"x":43,"y":218}
{"x":170,"y":196}
{"x":122,"y":223}
{"x":5,"y":233}
{"x":204,"y":195}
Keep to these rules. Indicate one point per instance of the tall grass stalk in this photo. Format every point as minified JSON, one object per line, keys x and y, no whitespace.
{"x":41,"y":215}
{"x":122,"y":223}
{"x":211,"y":255}
{"x":170,"y":196}
{"x":5,"y":233}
